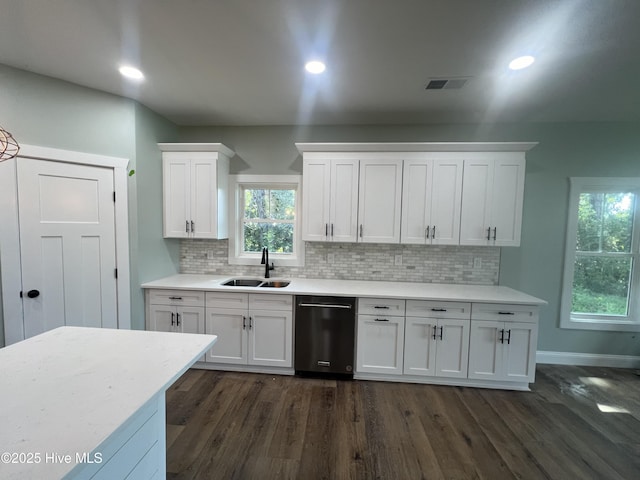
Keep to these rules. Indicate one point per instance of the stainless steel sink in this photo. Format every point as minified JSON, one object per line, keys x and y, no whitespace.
{"x":275,"y":284}
{"x":255,"y":282}
{"x":243,"y":282}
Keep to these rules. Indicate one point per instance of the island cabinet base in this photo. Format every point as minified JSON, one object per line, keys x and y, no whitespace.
{"x":452,"y":382}
{"x":136,"y":450}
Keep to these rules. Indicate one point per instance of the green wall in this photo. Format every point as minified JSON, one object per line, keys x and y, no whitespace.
{"x":43,"y":111}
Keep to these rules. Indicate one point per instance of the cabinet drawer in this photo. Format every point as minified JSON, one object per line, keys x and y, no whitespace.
{"x":176,"y":297}
{"x":504,"y":312}
{"x":227,"y":300}
{"x":435,"y":309}
{"x":270,"y":301}
{"x":381,"y":306}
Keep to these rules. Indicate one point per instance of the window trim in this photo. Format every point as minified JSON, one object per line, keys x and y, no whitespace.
{"x":630,"y":322}
{"x":236,"y":217}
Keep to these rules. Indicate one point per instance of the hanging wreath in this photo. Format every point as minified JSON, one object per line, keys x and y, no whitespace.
{"x":9,"y":147}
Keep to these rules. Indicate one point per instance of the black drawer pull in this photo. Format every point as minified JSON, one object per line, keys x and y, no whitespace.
{"x":506,"y":313}
{"x":175,"y":298}
{"x":438,"y":309}
{"x":382,"y":307}
{"x":381,"y":319}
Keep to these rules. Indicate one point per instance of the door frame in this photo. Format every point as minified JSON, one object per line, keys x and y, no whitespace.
{"x":10,"y":265}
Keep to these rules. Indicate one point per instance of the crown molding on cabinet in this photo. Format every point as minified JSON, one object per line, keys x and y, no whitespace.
{"x":196,"y":147}
{"x":417,"y":147}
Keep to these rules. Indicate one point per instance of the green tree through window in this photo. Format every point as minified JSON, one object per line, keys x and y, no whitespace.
{"x":268,"y":220}
{"x":603,"y":259}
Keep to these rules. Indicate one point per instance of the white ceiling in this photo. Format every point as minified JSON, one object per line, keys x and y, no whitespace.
{"x":240,"y":62}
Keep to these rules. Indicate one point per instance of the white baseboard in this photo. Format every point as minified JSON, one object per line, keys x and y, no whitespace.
{"x":588,"y":359}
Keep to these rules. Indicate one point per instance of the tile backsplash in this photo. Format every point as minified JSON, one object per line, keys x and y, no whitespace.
{"x":358,"y":261}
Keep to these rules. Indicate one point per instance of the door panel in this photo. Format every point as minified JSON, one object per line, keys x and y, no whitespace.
{"x":316,"y":200}
{"x":453,"y":349}
{"x":446,"y":202}
{"x":231,"y":328}
{"x":67,"y":231}
{"x":485,"y":351}
{"x":379,"y":202}
{"x":271,"y":338}
{"x":419,"y":347}
{"x":344,"y":201}
{"x":416,"y":201}
{"x":476,"y":198}
{"x":520,"y":351}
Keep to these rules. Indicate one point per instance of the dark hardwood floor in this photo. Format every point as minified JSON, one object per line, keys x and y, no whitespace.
{"x":576,"y":423}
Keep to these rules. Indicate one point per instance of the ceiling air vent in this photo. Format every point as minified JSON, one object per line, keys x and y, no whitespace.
{"x":454,"y":83}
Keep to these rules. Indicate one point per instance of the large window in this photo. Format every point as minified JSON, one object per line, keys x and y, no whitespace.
{"x":266,"y":215}
{"x":601,"y":284}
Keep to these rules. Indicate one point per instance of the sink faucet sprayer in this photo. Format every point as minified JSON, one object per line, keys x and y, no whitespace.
{"x":265,"y":262}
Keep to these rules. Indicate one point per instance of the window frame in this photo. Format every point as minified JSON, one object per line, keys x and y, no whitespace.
{"x":630,"y":322}
{"x":237,"y":184}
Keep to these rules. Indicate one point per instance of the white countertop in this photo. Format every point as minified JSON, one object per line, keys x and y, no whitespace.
{"x":355,"y":288}
{"x":69,"y":389}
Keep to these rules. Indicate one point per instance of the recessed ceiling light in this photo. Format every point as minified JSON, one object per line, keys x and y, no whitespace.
{"x":131,"y":72}
{"x":315,"y":67}
{"x":521,"y":62}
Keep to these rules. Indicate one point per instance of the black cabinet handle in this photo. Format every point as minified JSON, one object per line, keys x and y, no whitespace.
{"x":244,"y":322}
{"x":438,"y":309}
{"x":382,"y":307}
{"x":506,"y":313}
{"x":441,"y":332}
{"x":489,"y":233}
{"x":173,"y":315}
{"x":502,"y":336}
{"x":186,"y":228}
{"x":495,"y":232}
{"x":177,"y":319}
{"x":509,"y":337}
{"x":33,"y":293}
{"x":326,"y":229}
{"x":381,"y":319}
{"x":250,"y":323}
{"x":332,"y":230}
{"x":433,"y":233}
{"x":175,"y":298}
{"x":434,"y":331}
{"x":193,"y":226}
{"x":426,"y":232}
{"x":360,"y":230}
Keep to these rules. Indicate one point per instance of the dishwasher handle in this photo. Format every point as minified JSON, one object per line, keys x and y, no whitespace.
{"x":324,"y":305}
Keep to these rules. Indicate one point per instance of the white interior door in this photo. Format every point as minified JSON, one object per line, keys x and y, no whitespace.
{"x":67,"y":243}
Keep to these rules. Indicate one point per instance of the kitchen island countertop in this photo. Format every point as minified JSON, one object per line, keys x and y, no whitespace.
{"x":67,"y":393}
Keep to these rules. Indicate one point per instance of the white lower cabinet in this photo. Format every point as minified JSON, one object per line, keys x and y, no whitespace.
{"x":180,"y":311}
{"x":166,"y":318}
{"x":257,"y":330}
{"x":380,"y":336}
{"x":437,"y":339}
{"x":436,"y":347}
{"x":503,"y":350}
{"x":380,"y":344}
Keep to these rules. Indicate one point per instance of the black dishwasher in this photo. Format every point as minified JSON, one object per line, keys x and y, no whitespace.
{"x":325,"y":335}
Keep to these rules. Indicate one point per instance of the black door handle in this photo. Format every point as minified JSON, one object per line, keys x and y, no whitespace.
{"x":33,"y":293}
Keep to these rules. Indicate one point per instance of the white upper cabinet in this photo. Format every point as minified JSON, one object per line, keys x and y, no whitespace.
{"x":379,"y":201}
{"x":195,"y":179}
{"x":431,"y":197}
{"x":492,"y":200}
{"x":464,"y":193}
{"x":330,"y":200}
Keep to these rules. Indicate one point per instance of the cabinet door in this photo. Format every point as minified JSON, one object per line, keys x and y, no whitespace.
{"x":190,"y":320}
{"x":521,"y":340}
{"x":485,"y":350}
{"x":446,"y":200}
{"x":204,"y":198}
{"x":176,"y":197}
{"x":416,"y":201}
{"x":343,"y":222}
{"x":162,"y":318}
{"x":270,"y":338}
{"x":420,"y":346}
{"x":476,"y":202}
{"x":452,"y":348}
{"x":231,"y":327}
{"x":380,"y":344}
{"x":506,"y":205}
{"x":316,"y":195}
{"x":379,"y":201}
